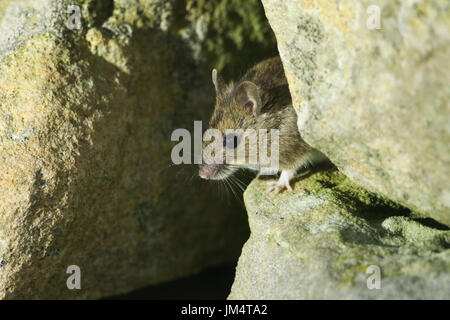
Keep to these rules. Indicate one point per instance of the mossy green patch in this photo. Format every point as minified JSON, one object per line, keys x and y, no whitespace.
{"x":327,"y":236}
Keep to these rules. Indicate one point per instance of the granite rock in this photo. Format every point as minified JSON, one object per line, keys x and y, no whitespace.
{"x":373,"y":97}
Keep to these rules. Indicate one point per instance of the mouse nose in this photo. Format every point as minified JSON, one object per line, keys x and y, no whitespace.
{"x":206,"y":171}
{"x":204,"y":175}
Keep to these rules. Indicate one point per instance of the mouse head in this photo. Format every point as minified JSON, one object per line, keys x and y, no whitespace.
{"x":237,"y":107}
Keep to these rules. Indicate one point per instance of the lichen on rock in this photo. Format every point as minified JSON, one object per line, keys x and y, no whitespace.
{"x":374,"y":99}
{"x":322,"y":240}
{"x":86,"y":116}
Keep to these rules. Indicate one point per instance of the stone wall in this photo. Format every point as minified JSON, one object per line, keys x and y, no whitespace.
{"x":86,"y":116}
{"x":375,"y":101}
{"x":331,"y":239}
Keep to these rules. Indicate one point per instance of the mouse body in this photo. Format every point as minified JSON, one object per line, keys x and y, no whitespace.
{"x":259,"y":100}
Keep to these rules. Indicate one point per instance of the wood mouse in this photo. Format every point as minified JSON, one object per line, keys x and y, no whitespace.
{"x":260,"y":100}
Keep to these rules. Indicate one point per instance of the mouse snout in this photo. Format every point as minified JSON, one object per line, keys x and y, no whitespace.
{"x":207,"y":171}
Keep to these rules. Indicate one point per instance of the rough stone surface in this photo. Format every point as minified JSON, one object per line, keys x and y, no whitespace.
{"x":375,"y":101}
{"x":322,"y":240}
{"x":85,"y":122}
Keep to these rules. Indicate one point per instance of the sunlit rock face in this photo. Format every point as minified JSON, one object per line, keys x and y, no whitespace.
{"x":331,"y":239}
{"x":88,"y":103}
{"x":374,"y":97}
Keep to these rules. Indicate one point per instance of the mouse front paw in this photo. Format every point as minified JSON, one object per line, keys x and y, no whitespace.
{"x":278,"y":186}
{"x":283,"y":183}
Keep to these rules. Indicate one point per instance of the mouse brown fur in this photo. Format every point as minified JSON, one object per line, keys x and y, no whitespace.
{"x":260,"y":100}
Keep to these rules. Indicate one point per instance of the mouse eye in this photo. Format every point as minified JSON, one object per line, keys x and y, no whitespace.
{"x":231,"y":141}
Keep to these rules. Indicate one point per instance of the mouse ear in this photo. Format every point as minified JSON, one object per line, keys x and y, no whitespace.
{"x":247,"y":95}
{"x":219,"y":84}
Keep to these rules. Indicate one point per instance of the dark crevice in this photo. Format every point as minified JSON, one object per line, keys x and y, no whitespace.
{"x":212,"y":283}
{"x":100,"y":10}
{"x":431,"y":223}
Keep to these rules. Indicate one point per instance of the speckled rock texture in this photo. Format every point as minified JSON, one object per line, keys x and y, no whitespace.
{"x":326,"y":239}
{"x":86,"y":117}
{"x":375,"y":101}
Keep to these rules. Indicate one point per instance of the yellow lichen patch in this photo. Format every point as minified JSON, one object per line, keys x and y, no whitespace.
{"x":26,"y":104}
{"x":339,"y":16}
